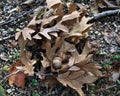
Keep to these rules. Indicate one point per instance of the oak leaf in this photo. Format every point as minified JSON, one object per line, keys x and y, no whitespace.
{"x":25,"y":58}
{"x":53,"y":3}
{"x":26,"y":33}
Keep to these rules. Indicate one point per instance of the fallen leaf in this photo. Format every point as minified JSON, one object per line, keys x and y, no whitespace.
{"x":79,"y":30}
{"x":37,"y":36}
{"x":45,"y":62}
{"x":48,"y":21}
{"x":25,"y":58}
{"x":26,"y":33}
{"x":34,"y":22}
{"x":70,"y":19}
{"x":74,"y":68}
{"x":72,"y":8}
{"x":19,"y":78}
{"x":53,"y":3}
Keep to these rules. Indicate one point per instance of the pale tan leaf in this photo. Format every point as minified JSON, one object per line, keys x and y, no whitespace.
{"x":62,"y":28}
{"x":45,"y":32}
{"x":17,"y":35}
{"x":84,"y":53}
{"x":70,"y":19}
{"x":26,"y":33}
{"x":37,"y":37}
{"x":90,"y":67}
{"x":83,"y":26}
{"x":33,"y":22}
{"x":54,"y":34}
{"x":53,"y":3}
{"x":79,"y":30}
{"x":49,"y":20}
{"x":71,"y":61}
{"x":45,"y":62}
{"x":74,"y":68}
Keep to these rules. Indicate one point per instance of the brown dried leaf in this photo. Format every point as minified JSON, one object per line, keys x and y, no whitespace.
{"x":71,"y":61}
{"x":48,"y":21}
{"x":26,"y":33}
{"x":62,"y":27}
{"x":17,"y":35}
{"x":75,"y":79}
{"x":84,"y":54}
{"x":45,"y":32}
{"x":34,"y":22}
{"x":54,"y":34}
{"x":79,"y":30}
{"x":72,"y":8}
{"x":59,"y":11}
{"x":75,"y":85}
{"x":25,"y":58}
{"x":57,"y":45}
{"x":76,"y":74}
{"x":70,"y":19}
{"x":28,"y":68}
{"x":19,"y":78}
{"x":53,"y":3}
{"x":45,"y":62}
{"x":37,"y":37}
{"x":74,"y":68}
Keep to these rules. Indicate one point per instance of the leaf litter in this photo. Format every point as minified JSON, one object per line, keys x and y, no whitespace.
{"x":61,"y":56}
{"x":58,"y":35}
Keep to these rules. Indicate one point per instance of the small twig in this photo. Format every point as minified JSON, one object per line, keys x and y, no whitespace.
{"x":14,"y":73}
{"x":5,"y":38}
{"x":104,"y":14}
{"x":107,"y":88}
{"x":111,"y":5}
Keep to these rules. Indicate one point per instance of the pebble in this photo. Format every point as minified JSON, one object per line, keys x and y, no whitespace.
{"x":9,"y":90}
{"x":96,"y":32}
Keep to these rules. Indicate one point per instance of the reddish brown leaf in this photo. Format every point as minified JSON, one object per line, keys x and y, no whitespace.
{"x":19,"y":78}
{"x":72,"y":8}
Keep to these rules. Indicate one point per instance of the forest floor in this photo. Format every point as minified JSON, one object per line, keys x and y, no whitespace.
{"x":106,"y":32}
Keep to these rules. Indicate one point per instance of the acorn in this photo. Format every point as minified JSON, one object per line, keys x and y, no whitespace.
{"x":57,"y":63}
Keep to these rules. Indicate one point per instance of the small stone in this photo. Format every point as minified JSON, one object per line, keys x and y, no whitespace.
{"x":91,"y":32}
{"x":99,"y":34}
{"x":96,"y":32}
{"x":9,"y":90}
{"x":115,"y":76}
